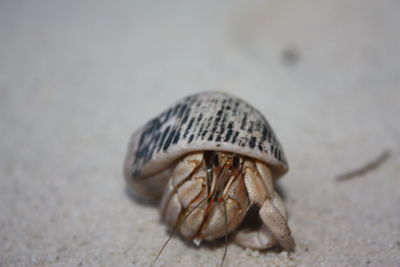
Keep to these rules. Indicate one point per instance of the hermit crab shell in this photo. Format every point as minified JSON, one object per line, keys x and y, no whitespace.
{"x":206,"y":121}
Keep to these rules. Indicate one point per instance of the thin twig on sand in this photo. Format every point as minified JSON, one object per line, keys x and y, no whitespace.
{"x":370,"y":166}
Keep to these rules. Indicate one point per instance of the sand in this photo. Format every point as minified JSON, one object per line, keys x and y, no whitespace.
{"x":77,"y":77}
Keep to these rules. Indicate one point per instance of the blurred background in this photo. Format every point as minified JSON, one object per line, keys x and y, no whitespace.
{"x":77,"y":77}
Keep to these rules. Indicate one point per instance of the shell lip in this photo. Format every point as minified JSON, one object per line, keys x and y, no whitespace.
{"x":278,"y":169}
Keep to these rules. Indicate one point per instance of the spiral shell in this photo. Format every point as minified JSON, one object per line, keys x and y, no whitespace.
{"x":204,"y":121}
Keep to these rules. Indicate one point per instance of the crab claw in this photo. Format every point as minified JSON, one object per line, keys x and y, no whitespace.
{"x":277,"y":224}
{"x":275,"y":230}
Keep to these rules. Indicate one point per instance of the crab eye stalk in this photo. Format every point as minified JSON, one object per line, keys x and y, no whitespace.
{"x":215,"y":160}
{"x":236,"y":161}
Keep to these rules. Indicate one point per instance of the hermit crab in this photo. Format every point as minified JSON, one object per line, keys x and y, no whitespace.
{"x":208,"y":159}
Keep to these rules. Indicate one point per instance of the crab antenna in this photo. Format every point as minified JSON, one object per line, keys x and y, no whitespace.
{"x":222,"y":177}
{"x":209,"y":181}
{"x":226,"y":232}
{"x":175,"y":230}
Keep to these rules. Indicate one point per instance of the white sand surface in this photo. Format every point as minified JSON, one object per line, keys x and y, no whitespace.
{"x":77,"y":77}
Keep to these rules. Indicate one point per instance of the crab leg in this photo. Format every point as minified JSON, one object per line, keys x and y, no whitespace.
{"x":273,"y":212}
{"x":170,"y":205}
{"x":261,"y":239}
{"x":271,"y":216}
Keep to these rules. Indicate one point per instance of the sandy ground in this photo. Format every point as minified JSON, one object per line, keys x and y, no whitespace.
{"x":77,"y":77}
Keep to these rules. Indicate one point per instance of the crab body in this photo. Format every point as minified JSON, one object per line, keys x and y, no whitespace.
{"x":209,"y":158}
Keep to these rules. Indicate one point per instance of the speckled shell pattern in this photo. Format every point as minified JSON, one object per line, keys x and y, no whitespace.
{"x":204,"y":121}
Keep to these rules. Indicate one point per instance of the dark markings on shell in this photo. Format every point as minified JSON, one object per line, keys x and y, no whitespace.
{"x":191,"y":138}
{"x":176,"y":137}
{"x":200,"y":131}
{"x":185,"y":118}
{"x":250,"y":129}
{"x":169,"y":140}
{"x":252,"y":142}
{"x":203,"y":134}
{"x":211,"y":117}
{"x":188,"y":127}
{"x":164,"y":135}
{"x":235,"y":137}
{"x":235,"y":108}
{"x":199,"y":118}
{"x":260,"y":147}
{"x":244,"y":121}
{"x":228,"y":135}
